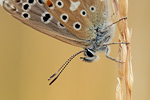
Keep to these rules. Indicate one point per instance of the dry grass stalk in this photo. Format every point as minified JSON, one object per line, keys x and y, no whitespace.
{"x":121,"y":10}
{"x":119,"y":95}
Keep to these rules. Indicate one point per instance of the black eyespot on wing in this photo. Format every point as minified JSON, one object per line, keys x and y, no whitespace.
{"x":92,"y":9}
{"x":40,"y":2}
{"x":59,"y":4}
{"x":77,"y":26}
{"x":26,"y":6}
{"x":83,"y":13}
{"x":25,"y":15}
{"x":61,"y":25}
{"x":30,"y":1}
{"x":46,"y":17}
{"x":64,"y":17}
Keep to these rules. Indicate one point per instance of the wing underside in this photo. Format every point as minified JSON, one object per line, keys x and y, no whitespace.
{"x":35,"y":13}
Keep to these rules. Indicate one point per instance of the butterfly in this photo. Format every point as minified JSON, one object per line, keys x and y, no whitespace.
{"x":82,"y":23}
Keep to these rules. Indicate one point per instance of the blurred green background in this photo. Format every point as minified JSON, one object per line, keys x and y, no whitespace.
{"x":28,"y":58}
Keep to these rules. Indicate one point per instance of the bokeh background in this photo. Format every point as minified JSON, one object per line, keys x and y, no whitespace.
{"x":28,"y":58}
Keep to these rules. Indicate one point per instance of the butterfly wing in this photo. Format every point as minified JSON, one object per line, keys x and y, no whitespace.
{"x":71,"y":21}
{"x":35,"y":14}
{"x":81,"y":17}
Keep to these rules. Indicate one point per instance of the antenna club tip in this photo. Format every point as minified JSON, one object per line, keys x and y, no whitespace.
{"x":49,"y":84}
{"x":48,"y":79}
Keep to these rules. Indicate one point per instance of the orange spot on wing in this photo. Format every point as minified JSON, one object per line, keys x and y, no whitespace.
{"x":49,"y":3}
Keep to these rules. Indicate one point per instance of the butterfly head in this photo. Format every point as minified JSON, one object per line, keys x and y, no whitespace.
{"x":90,"y":55}
{"x":103,"y":35}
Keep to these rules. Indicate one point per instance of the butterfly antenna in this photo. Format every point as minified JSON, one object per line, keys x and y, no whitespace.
{"x":124,"y":18}
{"x":60,"y":70}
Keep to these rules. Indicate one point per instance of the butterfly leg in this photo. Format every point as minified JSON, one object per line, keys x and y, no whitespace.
{"x":107,"y":51}
{"x":105,"y":44}
{"x":102,"y":30}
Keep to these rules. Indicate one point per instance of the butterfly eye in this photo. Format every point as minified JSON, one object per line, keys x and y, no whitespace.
{"x":83,"y":13}
{"x":92,"y":9}
{"x":64,"y":17}
{"x":77,"y":26}
{"x":59,"y":4}
{"x":90,"y":56}
{"x":89,"y":53}
{"x":26,"y":6}
{"x":25,"y":15}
